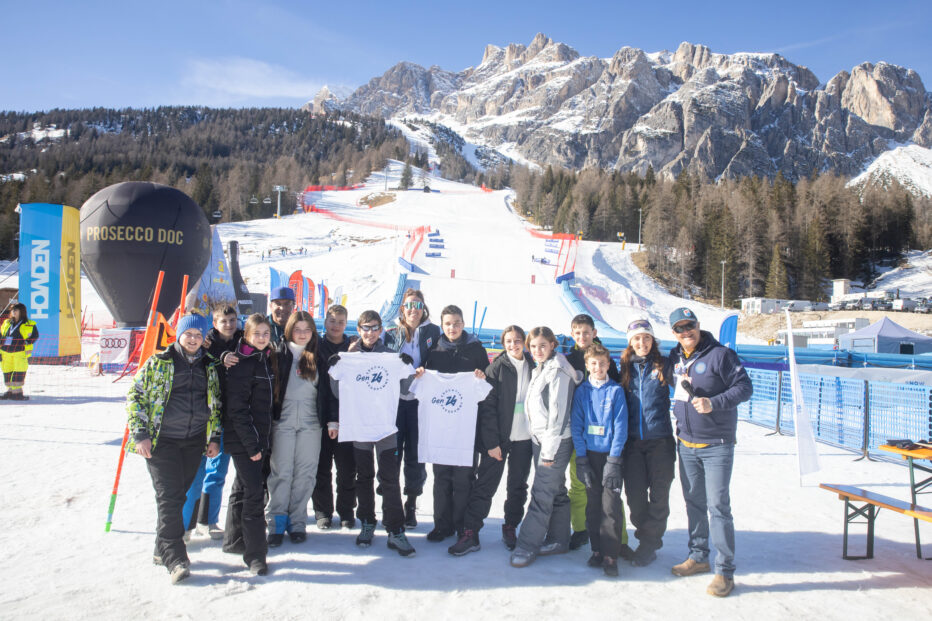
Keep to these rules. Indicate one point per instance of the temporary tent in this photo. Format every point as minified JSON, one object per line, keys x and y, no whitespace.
{"x":885,"y":337}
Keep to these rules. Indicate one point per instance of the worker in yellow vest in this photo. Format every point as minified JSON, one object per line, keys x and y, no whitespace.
{"x":17,"y":336}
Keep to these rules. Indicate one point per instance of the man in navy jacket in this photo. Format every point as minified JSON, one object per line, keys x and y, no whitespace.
{"x":709,"y":384}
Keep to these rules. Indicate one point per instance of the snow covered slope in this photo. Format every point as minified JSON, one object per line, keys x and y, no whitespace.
{"x":486,"y":259}
{"x":910,"y":165}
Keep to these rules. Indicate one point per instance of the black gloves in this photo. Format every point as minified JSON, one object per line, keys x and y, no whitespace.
{"x":611,"y":476}
{"x":406,"y":358}
{"x":584,"y":472}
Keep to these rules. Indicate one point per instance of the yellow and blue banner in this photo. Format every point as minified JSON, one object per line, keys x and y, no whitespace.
{"x":50,"y":276}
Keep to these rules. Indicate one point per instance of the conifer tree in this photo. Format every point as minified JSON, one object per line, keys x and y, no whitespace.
{"x":777,"y":285}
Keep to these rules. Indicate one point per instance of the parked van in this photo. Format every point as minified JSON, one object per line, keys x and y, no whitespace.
{"x":904,"y":304}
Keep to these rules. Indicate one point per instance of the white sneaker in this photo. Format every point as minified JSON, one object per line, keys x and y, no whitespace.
{"x":215,"y":531}
{"x":201,"y":530}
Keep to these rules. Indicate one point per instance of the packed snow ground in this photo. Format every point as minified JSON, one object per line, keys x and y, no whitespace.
{"x":59,"y":451}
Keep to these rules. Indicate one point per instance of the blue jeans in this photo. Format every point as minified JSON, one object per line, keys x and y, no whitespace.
{"x":705,"y":474}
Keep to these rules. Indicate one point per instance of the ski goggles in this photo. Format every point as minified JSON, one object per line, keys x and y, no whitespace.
{"x":372,"y":328}
{"x":640,"y":324}
{"x":413,"y":305}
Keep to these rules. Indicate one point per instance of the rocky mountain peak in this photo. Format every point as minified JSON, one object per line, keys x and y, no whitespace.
{"x":709,"y":113}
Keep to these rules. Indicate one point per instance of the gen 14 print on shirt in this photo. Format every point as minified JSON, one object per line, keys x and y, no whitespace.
{"x":370,"y":384}
{"x":446,"y":416}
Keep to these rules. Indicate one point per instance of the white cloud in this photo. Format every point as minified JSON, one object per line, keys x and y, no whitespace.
{"x":233,"y":80}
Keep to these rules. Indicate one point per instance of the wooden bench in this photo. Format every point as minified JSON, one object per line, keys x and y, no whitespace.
{"x":872,"y":504}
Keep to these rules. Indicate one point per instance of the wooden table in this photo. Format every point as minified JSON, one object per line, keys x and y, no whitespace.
{"x":915,"y":487}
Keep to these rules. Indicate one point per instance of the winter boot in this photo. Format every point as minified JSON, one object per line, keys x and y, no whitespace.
{"x":366,"y":533}
{"x":258,"y":567}
{"x":298,"y":536}
{"x":509,"y":536}
{"x":468,"y":542}
{"x":438,"y":535}
{"x":398,"y":541}
{"x":324,"y":522}
{"x":179,"y":572}
{"x":720,"y":586}
{"x":411,"y":512}
{"x":610,"y":567}
{"x":579,"y":539}
{"x":276,"y":539}
{"x":689,"y":567}
{"x":350,"y":523}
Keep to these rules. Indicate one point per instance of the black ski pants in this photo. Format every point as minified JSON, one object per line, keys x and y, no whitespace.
{"x":414,"y":471}
{"x":518,"y":456}
{"x":649,"y":469}
{"x":172,"y":468}
{"x":342,"y":454}
{"x":366,"y":453}
{"x":604,"y":512}
{"x":245,"y":526}
{"x":452,"y":488}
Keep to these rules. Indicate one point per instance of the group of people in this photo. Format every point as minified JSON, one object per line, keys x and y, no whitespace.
{"x":287,"y":404}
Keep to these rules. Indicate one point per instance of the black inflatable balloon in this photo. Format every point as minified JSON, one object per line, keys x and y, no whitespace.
{"x":130,"y":231}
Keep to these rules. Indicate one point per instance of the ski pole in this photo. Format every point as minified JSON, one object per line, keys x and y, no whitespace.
{"x":475,"y":307}
{"x":482,"y":321}
{"x":116,"y":480}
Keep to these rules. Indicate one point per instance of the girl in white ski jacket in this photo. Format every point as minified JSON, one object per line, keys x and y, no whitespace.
{"x":549,"y":401}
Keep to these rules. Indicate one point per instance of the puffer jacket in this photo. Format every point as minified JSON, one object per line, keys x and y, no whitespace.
{"x":600,"y":419}
{"x":715,"y":372}
{"x":549,"y":402}
{"x":648,"y":402}
{"x":152,"y":385}
{"x":248,"y":407}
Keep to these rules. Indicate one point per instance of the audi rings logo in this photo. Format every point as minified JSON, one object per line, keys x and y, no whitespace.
{"x":114,"y":342}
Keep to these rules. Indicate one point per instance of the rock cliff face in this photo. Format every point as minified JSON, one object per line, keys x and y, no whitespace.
{"x":711,"y":114}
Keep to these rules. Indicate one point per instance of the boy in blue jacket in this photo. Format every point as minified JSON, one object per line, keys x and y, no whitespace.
{"x":600,"y":428}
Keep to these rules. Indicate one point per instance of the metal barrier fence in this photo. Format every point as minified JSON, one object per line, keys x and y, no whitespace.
{"x":859,"y":415}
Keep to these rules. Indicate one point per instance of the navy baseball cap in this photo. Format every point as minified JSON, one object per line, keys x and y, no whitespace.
{"x":682,"y":314}
{"x":282,"y":293}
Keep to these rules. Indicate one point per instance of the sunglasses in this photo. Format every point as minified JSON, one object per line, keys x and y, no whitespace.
{"x":373,"y":328}
{"x":640,"y":324}
{"x":413,"y":305}
{"x":680,"y":328}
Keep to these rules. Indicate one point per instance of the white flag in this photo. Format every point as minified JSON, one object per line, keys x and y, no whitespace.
{"x":806,"y":451}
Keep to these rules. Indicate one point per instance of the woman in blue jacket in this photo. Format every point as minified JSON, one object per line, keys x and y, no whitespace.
{"x":650,"y":453}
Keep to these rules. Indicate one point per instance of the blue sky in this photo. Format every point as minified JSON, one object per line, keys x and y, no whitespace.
{"x":235,"y":53}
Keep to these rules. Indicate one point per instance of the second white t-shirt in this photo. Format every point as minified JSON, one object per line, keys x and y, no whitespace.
{"x":369,"y":387}
{"x":446,"y":416}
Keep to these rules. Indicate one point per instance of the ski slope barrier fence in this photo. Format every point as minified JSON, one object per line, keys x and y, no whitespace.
{"x":850,"y":413}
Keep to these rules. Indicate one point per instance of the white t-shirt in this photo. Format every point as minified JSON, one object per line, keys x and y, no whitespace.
{"x":369,"y":387}
{"x":446,"y":416}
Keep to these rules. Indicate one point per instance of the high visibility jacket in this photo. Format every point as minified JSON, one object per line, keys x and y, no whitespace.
{"x":23,"y":334}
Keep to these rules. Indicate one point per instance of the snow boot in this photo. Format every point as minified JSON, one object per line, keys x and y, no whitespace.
{"x":579,"y":539}
{"x":366,"y":533}
{"x":398,"y":541}
{"x":468,"y":542}
{"x":258,"y":567}
{"x":179,"y":572}
{"x":276,"y":539}
{"x":411,"y":512}
{"x":509,"y":536}
{"x":298,"y":536}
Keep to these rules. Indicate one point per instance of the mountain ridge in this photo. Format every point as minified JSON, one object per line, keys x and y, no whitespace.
{"x":691,"y":109}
